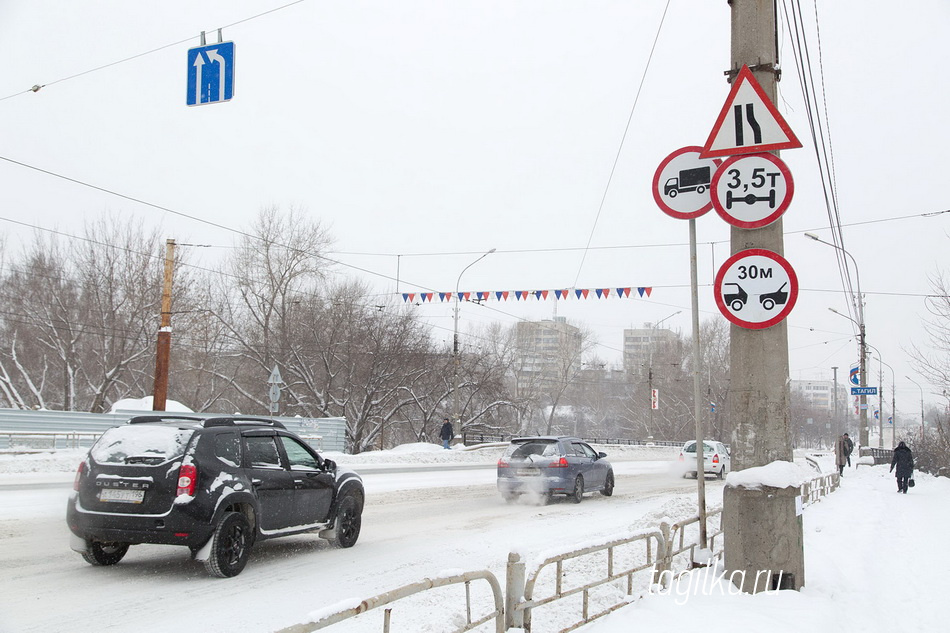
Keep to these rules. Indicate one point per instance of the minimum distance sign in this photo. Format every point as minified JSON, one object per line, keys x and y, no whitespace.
{"x":752,"y":190}
{"x":756,"y":288}
{"x":681,"y":183}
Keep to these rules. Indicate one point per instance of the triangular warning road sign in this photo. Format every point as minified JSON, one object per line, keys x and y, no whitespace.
{"x":749,"y":122}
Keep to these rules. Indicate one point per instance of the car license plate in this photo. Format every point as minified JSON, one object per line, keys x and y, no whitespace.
{"x":528,"y":472}
{"x":118,"y":495}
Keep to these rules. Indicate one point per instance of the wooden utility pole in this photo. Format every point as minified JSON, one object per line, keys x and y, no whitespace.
{"x":160,"y":390}
{"x":762,"y":530}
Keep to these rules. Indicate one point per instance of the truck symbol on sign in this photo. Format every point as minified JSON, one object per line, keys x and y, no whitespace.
{"x":696,"y":179}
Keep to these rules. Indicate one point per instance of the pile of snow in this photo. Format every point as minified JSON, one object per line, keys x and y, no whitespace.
{"x":145,"y":404}
{"x":778,"y":474}
{"x":870,"y":565}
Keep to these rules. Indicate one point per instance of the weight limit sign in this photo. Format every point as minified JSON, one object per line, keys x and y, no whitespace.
{"x":756,"y":288}
{"x":752,"y":191}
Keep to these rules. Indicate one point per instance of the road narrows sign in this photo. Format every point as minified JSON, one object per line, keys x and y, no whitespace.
{"x":752,"y":190}
{"x":756,"y":289}
{"x":749,"y":122}
{"x":681,"y":183}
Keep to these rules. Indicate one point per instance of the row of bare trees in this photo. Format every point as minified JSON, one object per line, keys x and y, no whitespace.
{"x":77,"y":332}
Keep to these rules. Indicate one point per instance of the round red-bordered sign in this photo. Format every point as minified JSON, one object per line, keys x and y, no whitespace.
{"x":756,"y":288}
{"x":752,"y":190}
{"x":681,"y":183}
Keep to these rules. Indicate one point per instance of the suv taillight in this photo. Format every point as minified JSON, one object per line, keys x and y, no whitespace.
{"x":187,"y":480}
{"x":716,"y":458}
{"x":561,"y":463}
{"x":79,"y":474}
{"x":502,"y":463}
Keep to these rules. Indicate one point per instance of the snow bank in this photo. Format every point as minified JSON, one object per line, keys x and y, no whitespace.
{"x":778,"y":474}
{"x":145,"y":404}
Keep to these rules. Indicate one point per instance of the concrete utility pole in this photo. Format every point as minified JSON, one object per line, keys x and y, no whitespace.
{"x":160,"y":389}
{"x":763,"y":533}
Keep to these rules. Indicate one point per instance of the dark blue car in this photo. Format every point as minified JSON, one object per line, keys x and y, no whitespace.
{"x":547,"y":466}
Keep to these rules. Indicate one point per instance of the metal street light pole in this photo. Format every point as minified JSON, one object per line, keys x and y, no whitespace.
{"x":881,"y":365}
{"x":863,"y":350}
{"x":455,"y":344}
{"x":835,"y":392}
{"x":650,"y":371}
{"x":921,"y":407}
{"x":859,"y":307}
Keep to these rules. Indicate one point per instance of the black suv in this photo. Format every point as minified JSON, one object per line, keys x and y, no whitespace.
{"x":215,"y":485}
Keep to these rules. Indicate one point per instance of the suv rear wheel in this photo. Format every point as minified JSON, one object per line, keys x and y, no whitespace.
{"x":349,"y":519}
{"x":101,"y":554}
{"x":230,"y":546}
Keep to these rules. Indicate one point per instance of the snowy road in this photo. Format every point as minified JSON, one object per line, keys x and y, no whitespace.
{"x":415,"y":523}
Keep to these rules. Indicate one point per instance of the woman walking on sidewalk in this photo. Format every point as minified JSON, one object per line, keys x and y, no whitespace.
{"x":903,"y":460}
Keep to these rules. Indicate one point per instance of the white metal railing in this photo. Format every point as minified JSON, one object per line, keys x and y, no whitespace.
{"x":339,"y":614}
{"x":676,"y":538}
{"x":519,"y":610}
{"x":47,"y":439}
{"x":661,"y":546}
{"x":816,"y":488}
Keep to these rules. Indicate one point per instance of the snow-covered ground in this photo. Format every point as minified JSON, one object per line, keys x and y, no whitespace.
{"x":872,"y":556}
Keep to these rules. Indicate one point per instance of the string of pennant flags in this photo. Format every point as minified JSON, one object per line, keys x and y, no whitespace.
{"x":524,"y":295}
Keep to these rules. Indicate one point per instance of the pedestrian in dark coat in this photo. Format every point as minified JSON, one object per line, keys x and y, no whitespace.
{"x":842,"y":452}
{"x":903,"y":460}
{"x":447,"y":433}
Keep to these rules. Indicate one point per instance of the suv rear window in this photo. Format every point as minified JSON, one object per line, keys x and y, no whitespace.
{"x":524,"y":450}
{"x":141,"y":444}
{"x":692,"y":448}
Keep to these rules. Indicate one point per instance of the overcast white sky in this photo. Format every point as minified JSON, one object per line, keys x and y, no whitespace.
{"x":436,"y":131}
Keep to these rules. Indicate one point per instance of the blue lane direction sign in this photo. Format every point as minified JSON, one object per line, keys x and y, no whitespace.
{"x":863,"y":391}
{"x":210,"y":73}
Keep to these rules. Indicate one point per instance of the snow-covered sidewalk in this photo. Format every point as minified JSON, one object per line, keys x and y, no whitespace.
{"x":873,"y":562}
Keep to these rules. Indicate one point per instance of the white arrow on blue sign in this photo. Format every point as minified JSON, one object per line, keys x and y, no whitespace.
{"x":210,"y":73}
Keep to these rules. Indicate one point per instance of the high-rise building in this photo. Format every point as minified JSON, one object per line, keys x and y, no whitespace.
{"x":640,"y":344}
{"x":821,"y":393}
{"x":547,"y":351}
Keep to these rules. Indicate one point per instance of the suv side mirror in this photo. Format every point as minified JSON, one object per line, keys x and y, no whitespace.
{"x":601,"y":455}
{"x":329,"y":465}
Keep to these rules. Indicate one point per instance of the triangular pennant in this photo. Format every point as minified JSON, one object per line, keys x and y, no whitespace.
{"x":578,"y":292}
{"x":464,"y":296}
{"x":585,"y":292}
{"x":482,"y":295}
{"x":599,"y":293}
{"x":640,"y":292}
{"x":606,"y":292}
{"x":544,"y":293}
{"x":749,"y":122}
{"x":505,"y":295}
{"x":443,"y":295}
{"x":623,"y":292}
{"x":648,"y":290}
{"x":405,"y":297}
{"x":561,"y":294}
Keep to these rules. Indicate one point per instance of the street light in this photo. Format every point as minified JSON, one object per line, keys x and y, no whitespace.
{"x":921,"y":407}
{"x":650,"y":372}
{"x":880,"y":421}
{"x":859,"y":306}
{"x":455,"y":341}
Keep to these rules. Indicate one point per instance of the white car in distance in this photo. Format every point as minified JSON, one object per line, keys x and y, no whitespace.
{"x":716,"y":460}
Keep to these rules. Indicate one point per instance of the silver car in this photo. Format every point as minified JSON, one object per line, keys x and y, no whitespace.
{"x":716,"y":459}
{"x":546,"y":466}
